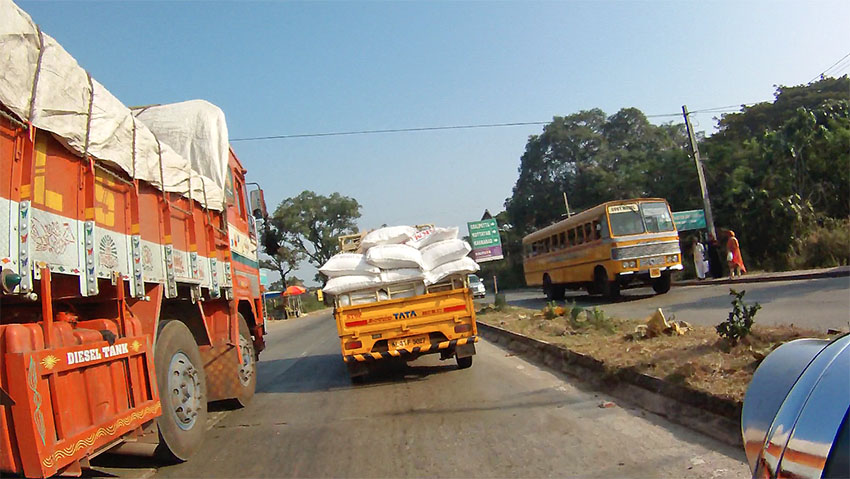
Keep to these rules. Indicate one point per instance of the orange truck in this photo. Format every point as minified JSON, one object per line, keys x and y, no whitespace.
{"x":129,"y":283}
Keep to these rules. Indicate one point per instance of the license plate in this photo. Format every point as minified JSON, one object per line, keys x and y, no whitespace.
{"x":408,"y":342}
{"x":655,"y":273}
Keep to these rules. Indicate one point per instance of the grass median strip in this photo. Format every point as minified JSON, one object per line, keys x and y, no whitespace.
{"x":698,"y":359}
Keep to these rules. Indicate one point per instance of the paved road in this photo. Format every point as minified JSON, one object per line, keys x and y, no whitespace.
{"x":501,"y":418}
{"x":817,"y":304}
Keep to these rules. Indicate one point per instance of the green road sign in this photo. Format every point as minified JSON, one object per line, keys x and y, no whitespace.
{"x":689,"y":220}
{"x":485,"y":239}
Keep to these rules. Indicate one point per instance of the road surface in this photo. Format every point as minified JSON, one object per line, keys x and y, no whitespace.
{"x":817,"y":304}
{"x":503,"y":417}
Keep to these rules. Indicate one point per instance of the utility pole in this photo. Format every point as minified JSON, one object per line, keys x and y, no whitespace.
{"x":567,"y":204}
{"x":709,"y":218}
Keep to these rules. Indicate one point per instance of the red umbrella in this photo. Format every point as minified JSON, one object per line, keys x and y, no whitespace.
{"x":294,"y":291}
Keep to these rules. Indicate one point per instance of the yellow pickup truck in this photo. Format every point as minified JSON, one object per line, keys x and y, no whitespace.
{"x":406,"y":321}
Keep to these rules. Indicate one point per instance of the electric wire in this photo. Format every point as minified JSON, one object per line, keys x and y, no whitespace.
{"x":721,"y":109}
{"x":821,"y":74}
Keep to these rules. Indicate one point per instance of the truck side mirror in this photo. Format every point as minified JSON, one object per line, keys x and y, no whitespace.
{"x":258,"y":204}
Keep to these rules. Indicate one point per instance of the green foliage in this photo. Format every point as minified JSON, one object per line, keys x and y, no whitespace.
{"x":549,"y":310}
{"x":307,"y":227}
{"x":310,"y":303}
{"x":596,"y":318}
{"x":594,"y":158}
{"x":825,"y":246}
{"x":500,"y":302}
{"x":740,"y":321}
{"x":575,"y":310}
{"x":773,"y":168}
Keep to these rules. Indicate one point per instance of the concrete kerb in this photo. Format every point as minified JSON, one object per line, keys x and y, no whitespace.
{"x":837,"y":272}
{"x":715,"y":417}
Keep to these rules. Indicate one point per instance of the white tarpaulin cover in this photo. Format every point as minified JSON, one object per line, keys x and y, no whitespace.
{"x":196,"y":130}
{"x":58,"y":100}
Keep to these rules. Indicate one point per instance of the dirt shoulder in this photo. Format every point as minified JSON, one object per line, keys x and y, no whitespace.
{"x":698,"y":359}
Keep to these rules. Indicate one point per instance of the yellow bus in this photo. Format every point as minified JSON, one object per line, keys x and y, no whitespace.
{"x":605,"y":248}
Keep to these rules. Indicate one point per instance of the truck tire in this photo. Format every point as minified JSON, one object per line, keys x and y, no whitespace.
{"x":182,"y":392}
{"x":463,"y":363}
{"x":247,"y":373}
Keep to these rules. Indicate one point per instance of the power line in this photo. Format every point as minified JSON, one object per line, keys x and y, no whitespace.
{"x":828,"y":69}
{"x":392,"y":130}
{"x":461,"y":127}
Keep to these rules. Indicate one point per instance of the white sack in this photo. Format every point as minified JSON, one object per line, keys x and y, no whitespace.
{"x":443,"y":252}
{"x":346,"y":284}
{"x":432,"y":235}
{"x":402,"y":275}
{"x":344,"y":264}
{"x":60,"y":105}
{"x":464,"y":265}
{"x":393,"y":256}
{"x":387,"y":235}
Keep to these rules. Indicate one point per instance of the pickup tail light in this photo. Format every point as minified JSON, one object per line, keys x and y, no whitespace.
{"x":353,"y":345}
{"x":463,"y":328}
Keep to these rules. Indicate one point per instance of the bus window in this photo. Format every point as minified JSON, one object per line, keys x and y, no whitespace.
{"x":527,"y":249}
{"x":603,"y":226}
{"x":597,"y":230}
{"x":555,"y":243}
{"x":546,"y":245}
{"x":563,"y":239}
{"x":571,"y":234}
{"x":579,"y":235}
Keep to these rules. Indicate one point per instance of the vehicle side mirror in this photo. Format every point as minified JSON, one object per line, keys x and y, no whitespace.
{"x":258,"y":204}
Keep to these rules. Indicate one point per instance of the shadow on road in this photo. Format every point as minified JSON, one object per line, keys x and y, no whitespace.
{"x":326,"y":372}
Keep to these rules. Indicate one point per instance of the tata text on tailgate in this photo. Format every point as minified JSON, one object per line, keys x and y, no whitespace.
{"x":402,"y":292}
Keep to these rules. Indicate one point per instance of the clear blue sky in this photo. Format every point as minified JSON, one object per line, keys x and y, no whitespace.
{"x":279,"y":68}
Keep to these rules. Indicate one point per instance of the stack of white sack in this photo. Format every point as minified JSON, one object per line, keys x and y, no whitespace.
{"x":399,"y":254}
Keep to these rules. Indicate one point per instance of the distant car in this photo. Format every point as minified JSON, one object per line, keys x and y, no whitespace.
{"x":476,"y":286}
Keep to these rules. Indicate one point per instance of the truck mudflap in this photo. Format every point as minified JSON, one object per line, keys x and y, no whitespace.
{"x":64,"y":404}
{"x":433,"y":348}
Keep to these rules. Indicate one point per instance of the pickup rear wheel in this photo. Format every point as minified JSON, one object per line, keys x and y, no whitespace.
{"x":463,"y":363}
{"x":182,"y":392}
{"x":247,"y":365}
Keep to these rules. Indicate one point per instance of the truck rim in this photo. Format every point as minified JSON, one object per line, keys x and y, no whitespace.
{"x":246,"y":366}
{"x":185,"y":390}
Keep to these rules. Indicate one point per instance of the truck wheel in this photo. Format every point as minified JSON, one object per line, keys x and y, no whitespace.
{"x":662,"y":285}
{"x":247,"y":365}
{"x":182,"y":392}
{"x":463,"y":363}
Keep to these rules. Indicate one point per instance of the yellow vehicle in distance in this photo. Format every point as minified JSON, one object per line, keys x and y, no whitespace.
{"x":606,"y":248}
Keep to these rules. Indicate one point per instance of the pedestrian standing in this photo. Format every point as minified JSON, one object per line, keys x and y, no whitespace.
{"x":714,"y":265}
{"x":700,"y":260}
{"x":733,"y":256}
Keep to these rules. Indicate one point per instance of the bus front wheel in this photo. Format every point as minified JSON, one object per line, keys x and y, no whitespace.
{"x":662,"y":284}
{"x":608,"y":289}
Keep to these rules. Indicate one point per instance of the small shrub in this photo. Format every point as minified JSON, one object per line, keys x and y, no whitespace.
{"x":575,"y":310}
{"x":825,"y":246}
{"x":500,"y":302}
{"x":740,"y":321}
{"x":549,"y":310}
{"x":596,"y":319}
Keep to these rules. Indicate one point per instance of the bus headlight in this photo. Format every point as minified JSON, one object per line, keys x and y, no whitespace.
{"x":673,"y":258}
{"x":629,"y":264}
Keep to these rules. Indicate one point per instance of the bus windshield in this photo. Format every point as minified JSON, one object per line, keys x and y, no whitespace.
{"x":625,"y":220}
{"x":632,"y":219}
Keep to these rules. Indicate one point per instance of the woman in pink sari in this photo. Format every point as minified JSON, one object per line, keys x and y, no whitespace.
{"x":733,"y":256}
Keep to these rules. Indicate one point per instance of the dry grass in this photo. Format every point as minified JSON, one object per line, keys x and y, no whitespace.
{"x":699,"y":359}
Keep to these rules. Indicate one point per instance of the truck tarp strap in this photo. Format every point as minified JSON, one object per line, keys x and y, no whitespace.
{"x":88,"y":120}
{"x":37,"y":73}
